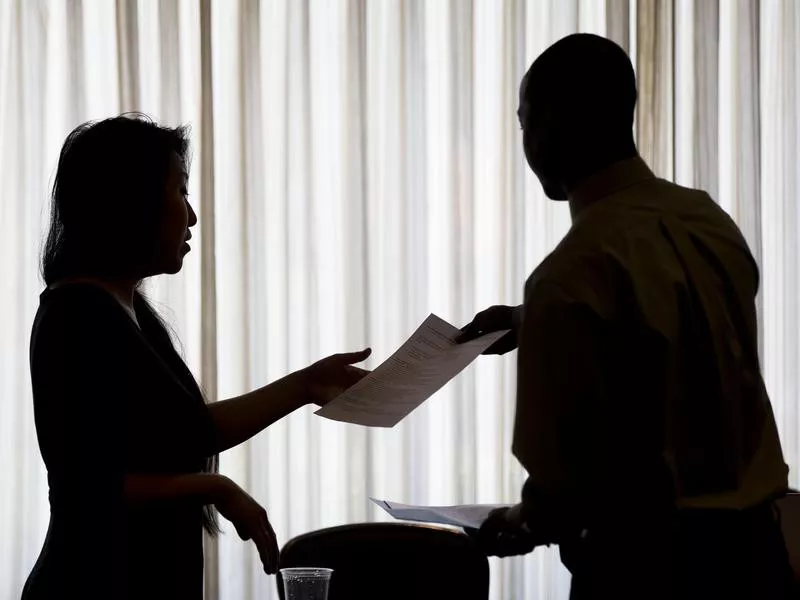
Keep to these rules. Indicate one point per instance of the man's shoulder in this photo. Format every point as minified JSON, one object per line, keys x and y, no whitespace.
{"x":577,"y":275}
{"x":626,"y":233}
{"x":594,"y":259}
{"x":667,"y":198}
{"x":700,"y":216}
{"x":587,"y":251}
{"x":567,"y":263}
{"x":676,"y":188}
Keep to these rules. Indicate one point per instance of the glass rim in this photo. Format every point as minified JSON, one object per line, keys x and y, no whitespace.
{"x":306,"y":570}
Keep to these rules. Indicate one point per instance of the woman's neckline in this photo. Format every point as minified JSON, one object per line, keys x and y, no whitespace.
{"x":129,"y":310}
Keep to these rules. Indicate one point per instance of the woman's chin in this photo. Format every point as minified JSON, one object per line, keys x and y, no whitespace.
{"x":170,"y":266}
{"x":173,"y":266}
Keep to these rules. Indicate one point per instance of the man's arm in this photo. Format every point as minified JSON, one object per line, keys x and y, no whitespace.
{"x":558,"y":382}
{"x":560,"y":403}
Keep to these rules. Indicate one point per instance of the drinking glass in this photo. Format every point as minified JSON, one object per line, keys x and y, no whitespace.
{"x":306,"y":583}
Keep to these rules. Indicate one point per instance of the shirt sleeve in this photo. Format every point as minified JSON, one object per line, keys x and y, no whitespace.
{"x":557,"y":435}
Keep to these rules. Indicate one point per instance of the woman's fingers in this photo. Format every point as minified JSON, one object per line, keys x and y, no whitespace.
{"x":330,"y":376}
{"x":273,"y":539}
{"x":354,"y":375}
{"x":267,"y":546}
{"x":262,"y":545}
{"x":349,"y":358}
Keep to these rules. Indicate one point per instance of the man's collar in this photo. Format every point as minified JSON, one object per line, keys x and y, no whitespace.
{"x":614,"y":178}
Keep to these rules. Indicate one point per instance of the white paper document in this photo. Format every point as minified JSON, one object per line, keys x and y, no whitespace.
{"x":467,"y":515}
{"x":418,"y":369}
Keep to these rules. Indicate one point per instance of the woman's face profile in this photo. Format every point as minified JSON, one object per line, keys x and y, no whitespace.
{"x":177,"y":218}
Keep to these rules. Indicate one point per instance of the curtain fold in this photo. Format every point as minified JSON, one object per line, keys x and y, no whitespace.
{"x":779,"y":144}
{"x":655,"y":72}
{"x":357,"y":165}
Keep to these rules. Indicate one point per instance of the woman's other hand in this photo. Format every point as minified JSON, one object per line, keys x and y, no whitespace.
{"x":250,"y":520}
{"x":329,"y":377}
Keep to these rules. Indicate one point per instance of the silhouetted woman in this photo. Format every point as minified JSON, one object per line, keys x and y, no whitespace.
{"x":129,"y":443}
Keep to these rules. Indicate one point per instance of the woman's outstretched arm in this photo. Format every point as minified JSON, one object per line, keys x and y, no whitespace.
{"x":238,"y":419}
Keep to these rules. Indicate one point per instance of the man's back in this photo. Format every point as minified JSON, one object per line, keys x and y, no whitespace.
{"x":640,"y":334}
{"x":640,"y":399}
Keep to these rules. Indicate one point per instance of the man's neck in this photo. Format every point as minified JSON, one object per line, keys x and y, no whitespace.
{"x":603,"y":179}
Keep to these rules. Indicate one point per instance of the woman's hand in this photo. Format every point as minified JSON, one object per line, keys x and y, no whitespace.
{"x":329,"y":377}
{"x":251,"y":522}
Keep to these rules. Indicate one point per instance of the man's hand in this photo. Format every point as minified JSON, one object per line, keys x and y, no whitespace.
{"x":503,"y":534}
{"x":494,"y":318}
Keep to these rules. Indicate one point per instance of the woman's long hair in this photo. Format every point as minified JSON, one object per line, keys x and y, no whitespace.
{"x":106,"y":208}
{"x":108,"y":197}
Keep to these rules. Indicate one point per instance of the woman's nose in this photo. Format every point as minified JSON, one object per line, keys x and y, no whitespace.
{"x":192,"y":215}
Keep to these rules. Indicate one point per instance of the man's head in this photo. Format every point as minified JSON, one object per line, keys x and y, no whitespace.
{"x":576,"y":106}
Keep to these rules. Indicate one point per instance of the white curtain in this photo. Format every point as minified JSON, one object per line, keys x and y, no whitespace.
{"x":356,"y":166}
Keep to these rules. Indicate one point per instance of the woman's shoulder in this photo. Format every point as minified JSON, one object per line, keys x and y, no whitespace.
{"x":75,"y":295}
{"x":77,"y":307}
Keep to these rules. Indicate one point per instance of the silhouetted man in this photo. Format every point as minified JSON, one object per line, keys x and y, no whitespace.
{"x":642,"y":417}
